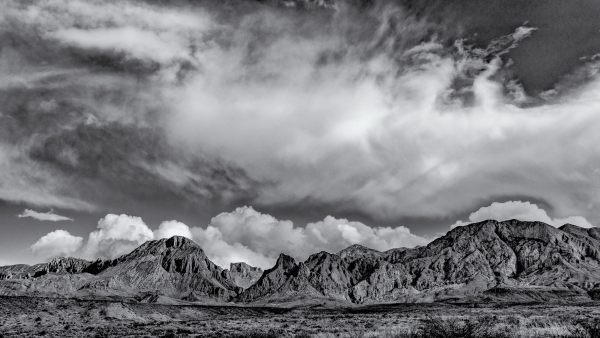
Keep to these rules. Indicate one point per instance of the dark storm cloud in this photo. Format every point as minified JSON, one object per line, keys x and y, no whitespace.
{"x":58,"y":129}
{"x":391,"y":110}
{"x":137,"y":161}
{"x":81,"y":122}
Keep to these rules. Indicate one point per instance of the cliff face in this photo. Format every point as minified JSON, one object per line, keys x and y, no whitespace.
{"x":284,"y":281}
{"x":244,"y":275}
{"x":490,"y":260}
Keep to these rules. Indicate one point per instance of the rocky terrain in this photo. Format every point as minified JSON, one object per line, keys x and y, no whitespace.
{"x":67,"y":317}
{"x":244,"y":275}
{"x":483,"y":262}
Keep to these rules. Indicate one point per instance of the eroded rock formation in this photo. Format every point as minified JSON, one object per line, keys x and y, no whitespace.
{"x":490,"y":260}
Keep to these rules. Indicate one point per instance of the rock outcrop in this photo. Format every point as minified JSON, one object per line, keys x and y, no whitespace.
{"x":244,"y":275}
{"x":283,"y":282}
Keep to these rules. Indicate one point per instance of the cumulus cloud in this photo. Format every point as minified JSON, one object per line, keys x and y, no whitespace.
{"x":243,"y":235}
{"x":117,"y":235}
{"x":55,"y":244}
{"x":169,"y":229}
{"x":120,"y":234}
{"x":523,"y":211}
{"x":44,"y":216}
{"x":256,"y":238}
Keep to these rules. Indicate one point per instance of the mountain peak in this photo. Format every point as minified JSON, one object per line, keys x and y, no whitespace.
{"x":179,"y":242}
{"x":242,"y":267}
{"x":568,"y":227}
{"x":285,"y":262}
{"x":480,"y":257}
{"x":579,"y":231}
{"x":244,"y":275}
{"x":158,"y":247}
{"x":357,"y":251}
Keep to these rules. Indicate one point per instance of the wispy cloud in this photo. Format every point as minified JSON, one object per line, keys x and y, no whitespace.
{"x":43,"y":216}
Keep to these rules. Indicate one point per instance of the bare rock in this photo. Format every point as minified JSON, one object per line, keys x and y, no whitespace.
{"x":244,"y":275}
{"x":175,"y":267}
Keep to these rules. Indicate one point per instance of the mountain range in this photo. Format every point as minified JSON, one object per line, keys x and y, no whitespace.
{"x":488,"y":261}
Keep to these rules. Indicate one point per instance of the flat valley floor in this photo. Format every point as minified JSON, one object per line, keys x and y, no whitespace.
{"x":50,"y":317}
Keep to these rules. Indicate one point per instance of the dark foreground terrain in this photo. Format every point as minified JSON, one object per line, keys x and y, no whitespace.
{"x":39,"y":317}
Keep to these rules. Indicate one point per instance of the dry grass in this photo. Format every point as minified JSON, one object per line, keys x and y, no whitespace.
{"x":37,"y":317}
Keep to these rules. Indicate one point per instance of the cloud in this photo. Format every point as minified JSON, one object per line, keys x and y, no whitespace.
{"x":56,"y":243}
{"x":523,"y":211}
{"x":138,"y":43}
{"x":349,"y":109}
{"x":256,"y":238}
{"x":243,"y":235}
{"x":169,"y":229}
{"x":117,"y":235}
{"x":120,"y":234}
{"x":24,"y":180}
{"x":423,"y":132}
{"x":48,"y":216}
{"x":89,"y":150}
{"x":336,"y":234}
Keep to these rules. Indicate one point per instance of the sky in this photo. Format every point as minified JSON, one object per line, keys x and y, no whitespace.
{"x":295,"y":126}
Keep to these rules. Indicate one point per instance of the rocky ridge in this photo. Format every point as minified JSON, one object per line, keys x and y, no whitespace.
{"x":486,"y":261}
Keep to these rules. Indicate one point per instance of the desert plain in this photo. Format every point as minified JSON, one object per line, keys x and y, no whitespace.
{"x":60,"y":317}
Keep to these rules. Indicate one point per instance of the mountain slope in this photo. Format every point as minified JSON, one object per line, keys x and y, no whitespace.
{"x":175,"y":267}
{"x":489,"y":261}
{"x":491,"y":254}
{"x":511,"y":255}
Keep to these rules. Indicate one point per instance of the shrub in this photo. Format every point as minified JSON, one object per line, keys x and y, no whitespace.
{"x":590,"y":328}
{"x":299,"y":335}
{"x":457,"y":328}
{"x":258,"y":334}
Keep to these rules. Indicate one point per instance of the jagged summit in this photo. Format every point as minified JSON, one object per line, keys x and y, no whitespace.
{"x":67,"y":264}
{"x":579,"y":231}
{"x":244,"y":275}
{"x":242,"y":267}
{"x":158,"y":246}
{"x":357,"y":250}
{"x":284,"y":262}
